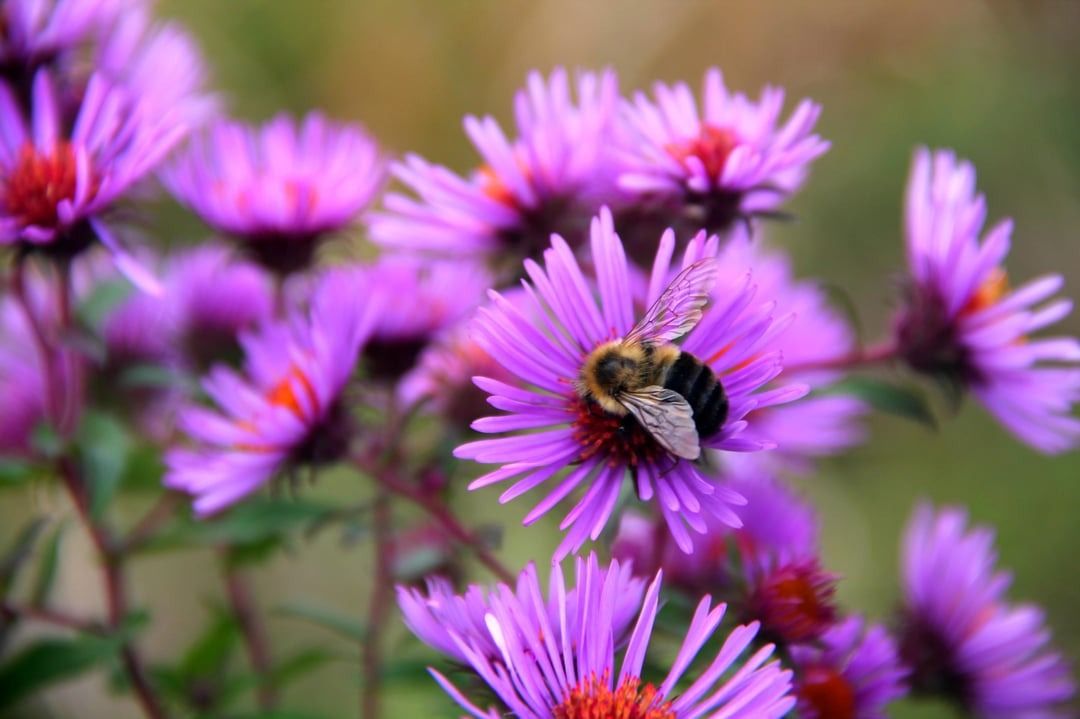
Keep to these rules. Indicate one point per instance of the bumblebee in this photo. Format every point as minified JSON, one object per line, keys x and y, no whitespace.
{"x":672,"y":394}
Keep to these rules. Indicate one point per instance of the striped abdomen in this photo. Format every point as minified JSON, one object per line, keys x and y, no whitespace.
{"x":697,"y":383}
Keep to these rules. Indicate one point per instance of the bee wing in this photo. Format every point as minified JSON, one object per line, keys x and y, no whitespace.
{"x":667,"y":416}
{"x":678,"y":308}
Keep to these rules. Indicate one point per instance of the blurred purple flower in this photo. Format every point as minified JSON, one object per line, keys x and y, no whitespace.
{"x":287,"y":410}
{"x":725,"y":162}
{"x":962,"y":323}
{"x":551,"y":427}
{"x":769,"y":566}
{"x":558,"y":660}
{"x":816,"y":425}
{"x":281,"y":189}
{"x":961,"y":638}
{"x":429,"y":298}
{"x":855,"y":673}
{"x":35,"y":31}
{"x":55,"y":185}
{"x":159,"y":63}
{"x":551,"y":178}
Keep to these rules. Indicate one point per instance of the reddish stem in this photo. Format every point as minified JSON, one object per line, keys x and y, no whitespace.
{"x":442,"y":514}
{"x":47,"y":615}
{"x":115,"y":595}
{"x":859,"y":357}
{"x":145,"y":529}
{"x":379,"y":607}
{"x":252,"y":629}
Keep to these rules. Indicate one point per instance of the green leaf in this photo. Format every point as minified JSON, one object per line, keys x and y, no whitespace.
{"x":49,"y":661}
{"x":250,"y":529}
{"x":905,"y":401}
{"x":48,"y":565}
{"x":336,"y":622}
{"x":15,"y":471}
{"x":19,"y":552}
{"x":104,"y":447}
{"x":46,"y":441}
{"x":213,"y":648}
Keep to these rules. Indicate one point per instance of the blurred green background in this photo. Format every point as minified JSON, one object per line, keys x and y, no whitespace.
{"x":997,"y":81}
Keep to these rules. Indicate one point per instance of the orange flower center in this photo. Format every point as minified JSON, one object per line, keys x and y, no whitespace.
{"x":989,"y":293}
{"x":712,"y":147}
{"x":284,"y":393}
{"x":493,"y":186}
{"x":828,"y":693}
{"x":592,"y":699}
{"x":38,"y":183}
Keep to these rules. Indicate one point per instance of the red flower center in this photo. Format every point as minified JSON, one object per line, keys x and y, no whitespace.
{"x":592,"y":699}
{"x":620,"y":439}
{"x":795,"y":602}
{"x":38,"y":183}
{"x":827,"y":693}
{"x":712,"y":147}
{"x":987,"y":294}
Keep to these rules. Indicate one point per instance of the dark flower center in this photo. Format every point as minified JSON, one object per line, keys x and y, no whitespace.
{"x":592,"y":699}
{"x":826,"y":693}
{"x":621,"y":440}
{"x":932,"y":662}
{"x":38,"y":183}
{"x":795,"y":602}
{"x":388,"y":359}
{"x":929,"y":338}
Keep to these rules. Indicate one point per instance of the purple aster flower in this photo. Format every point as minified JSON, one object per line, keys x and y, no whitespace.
{"x":440,"y":614}
{"x":36,"y":31}
{"x":281,"y":189}
{"x":433,"y":297}
{"x":816,"y":425}
{"x":55,"y":185}
{"x":287,"y":410}
{"x":159,"y":63}
{"x":442,"y":376}
{"x":964,"y":325}
{"x":725,"y":162}
{"x":768,"y":567}
{"x":557,"y":661}
{"x":552,"y":424}
{"x":959,"y":635}
{"x":854,"y":673}
{"x":551,"y":178}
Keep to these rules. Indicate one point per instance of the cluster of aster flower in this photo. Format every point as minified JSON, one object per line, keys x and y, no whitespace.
{"x":602,"y":279}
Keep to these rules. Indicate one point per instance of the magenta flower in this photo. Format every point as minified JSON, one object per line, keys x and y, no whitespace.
{"x":430,"y":298}
{"x":551,"y":425}
{"x":209,"y":297}
{"x":281,"y":189}
{"x":855,"y":673}
{"x":817,"y":425}
{"x":725,"y":162}
{"x":159,"y":63}
{"x":440,"y":615}
{"x":552,"y":177}
{"x":964,"y":325}
{"x":961,"y":638}
{"x":558,"y":660}
{"x":769,"y":566}
{"x":55,"y":185}
{"x":287,"y":410}
{"x":36,"y":31}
